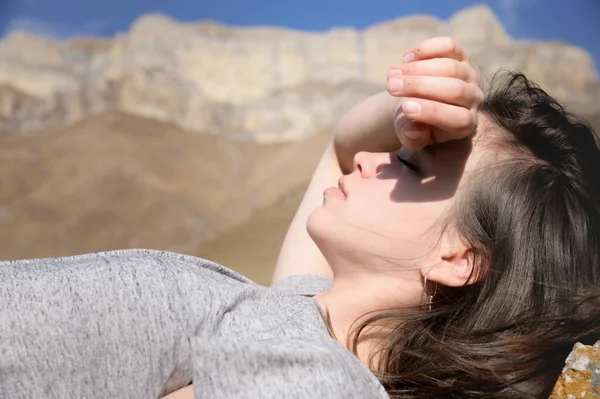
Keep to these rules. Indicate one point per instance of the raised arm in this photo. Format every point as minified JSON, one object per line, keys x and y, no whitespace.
{"x":436,"y":77}
{"x":355,"y":132}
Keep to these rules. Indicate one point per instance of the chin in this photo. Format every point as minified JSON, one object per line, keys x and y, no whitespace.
{"x":330,"y":233}
{"x":317,"y":224}
{"x":321,"y":226}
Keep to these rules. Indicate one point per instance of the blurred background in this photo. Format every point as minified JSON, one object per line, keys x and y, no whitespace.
{"x":194,"y":126}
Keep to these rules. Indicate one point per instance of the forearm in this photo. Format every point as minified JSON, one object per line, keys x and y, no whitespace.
{"x":368,"y":126}
{"x":299,"y":254}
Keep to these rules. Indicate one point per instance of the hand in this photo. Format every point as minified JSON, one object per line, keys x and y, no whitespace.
{"x":439,"y":91}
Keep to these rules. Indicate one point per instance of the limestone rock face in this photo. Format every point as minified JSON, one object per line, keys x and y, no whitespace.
{"x":269,"y":84}
{"x":478,"y":27}
{"x":580,"y":377}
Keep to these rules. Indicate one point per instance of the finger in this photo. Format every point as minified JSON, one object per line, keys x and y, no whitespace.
{"x":442,"y":67}
{"x":438,"y":47}
{"x":459,"y":122}
{"x":448,"y":90}
{"x":415,"y":135}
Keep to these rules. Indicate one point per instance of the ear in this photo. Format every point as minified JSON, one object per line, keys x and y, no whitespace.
{"x":455,"y":263}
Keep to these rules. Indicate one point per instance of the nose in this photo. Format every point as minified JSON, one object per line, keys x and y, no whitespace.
{"x":365,"y":164}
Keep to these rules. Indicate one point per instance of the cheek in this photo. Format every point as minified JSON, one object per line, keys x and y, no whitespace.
{"x":410,"y":221}
{"x":333,"y":232}
{"x":398,"y":232}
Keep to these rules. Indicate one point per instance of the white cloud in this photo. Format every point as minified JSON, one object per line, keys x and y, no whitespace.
{"x":56,"y":30}
{"x":511,"y":9}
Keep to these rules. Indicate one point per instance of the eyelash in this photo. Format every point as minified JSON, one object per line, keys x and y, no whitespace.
{"x":409,"y":165}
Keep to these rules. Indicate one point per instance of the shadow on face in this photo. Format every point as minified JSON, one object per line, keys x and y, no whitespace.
{"x":440,"y":170}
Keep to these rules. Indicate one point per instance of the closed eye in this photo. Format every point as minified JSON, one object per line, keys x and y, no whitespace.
{"x":409,"y":165}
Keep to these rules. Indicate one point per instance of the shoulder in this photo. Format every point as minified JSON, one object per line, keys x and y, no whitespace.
{"x":138,"y":259}
{"x":294,"y":368}
{"x":303,"y":284}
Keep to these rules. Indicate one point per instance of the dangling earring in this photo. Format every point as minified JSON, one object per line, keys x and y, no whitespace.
{"x":430,"y":302}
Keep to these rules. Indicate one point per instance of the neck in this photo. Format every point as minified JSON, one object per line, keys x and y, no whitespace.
{"x":355,"y":295}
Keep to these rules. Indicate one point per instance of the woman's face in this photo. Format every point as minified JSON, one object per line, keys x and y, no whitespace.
{"x":391,"y":208}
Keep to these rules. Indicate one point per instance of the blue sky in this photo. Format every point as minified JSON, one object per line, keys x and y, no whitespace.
{"x":574,"y":21}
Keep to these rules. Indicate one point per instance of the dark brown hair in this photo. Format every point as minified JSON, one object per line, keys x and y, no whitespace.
{"x":534,"y":225}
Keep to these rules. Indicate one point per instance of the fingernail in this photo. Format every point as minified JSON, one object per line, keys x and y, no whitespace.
{"x":411,"y":107}
{"x":413,"y":134}
{"x":394,"y":73}
{"x":408,"y":57}
{"x":395,"y":84}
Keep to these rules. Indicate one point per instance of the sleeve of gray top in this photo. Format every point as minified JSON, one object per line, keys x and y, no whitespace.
{"x":303,"y":284}
{"x":287,"y":368}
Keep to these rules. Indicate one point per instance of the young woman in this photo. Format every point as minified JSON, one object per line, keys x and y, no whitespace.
{"x":466,"y":268}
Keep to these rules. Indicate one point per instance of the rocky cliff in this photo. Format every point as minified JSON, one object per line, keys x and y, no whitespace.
{"x":254,"y":84}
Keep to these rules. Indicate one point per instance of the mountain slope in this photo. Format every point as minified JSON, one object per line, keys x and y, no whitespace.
{"x":120,"y":181}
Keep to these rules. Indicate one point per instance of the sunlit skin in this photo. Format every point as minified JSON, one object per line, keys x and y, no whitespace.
{"x":393,"y":225}
{"x":381,"y":236}
{"x":391,"y":206}
{"x":383,"y":232}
